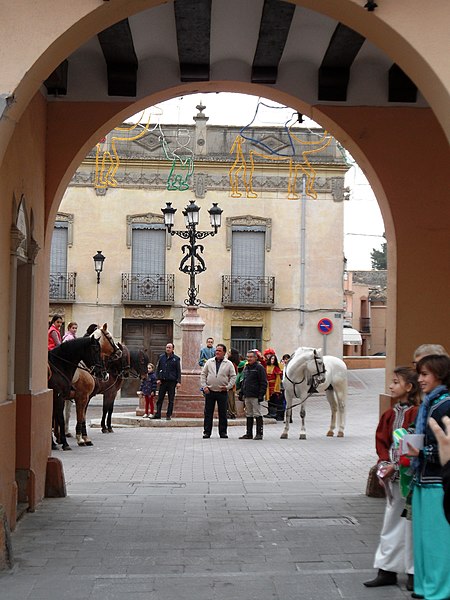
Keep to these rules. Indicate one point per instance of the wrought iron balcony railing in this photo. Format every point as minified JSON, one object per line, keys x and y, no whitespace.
{"x":148,"y":287}
{"x":62,"y":287}
{"x":248,"y":290}
{"x":365,"y":325}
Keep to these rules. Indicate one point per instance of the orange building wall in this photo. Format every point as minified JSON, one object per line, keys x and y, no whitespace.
{"x":25,"y":421}
{"x":8,"y":489}
{"x":405,"y":156}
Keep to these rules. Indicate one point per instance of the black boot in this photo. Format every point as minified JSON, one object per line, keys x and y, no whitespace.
{"x":259,"y":428}
{"x":410,"y":583}
{"x":383,"y":578}
{"x":249,"y":434}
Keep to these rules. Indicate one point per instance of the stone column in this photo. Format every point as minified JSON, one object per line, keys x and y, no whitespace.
{"x":189,"y":400}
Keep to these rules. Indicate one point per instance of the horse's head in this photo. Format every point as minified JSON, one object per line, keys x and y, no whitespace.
{"x":93,"y":359}
{"x":138,"y":362}
{"x":108,"y":347}
{"x":315,"y":367}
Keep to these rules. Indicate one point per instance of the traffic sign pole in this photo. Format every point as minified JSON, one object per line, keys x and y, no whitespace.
{"x":325,"y":326}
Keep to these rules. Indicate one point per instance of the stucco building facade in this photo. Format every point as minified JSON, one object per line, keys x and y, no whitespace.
{"x":273,"y":269}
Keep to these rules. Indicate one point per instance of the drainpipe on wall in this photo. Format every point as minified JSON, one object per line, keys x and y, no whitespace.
{"x":303,"y":253}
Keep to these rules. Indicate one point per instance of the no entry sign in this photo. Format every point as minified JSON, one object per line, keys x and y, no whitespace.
{"x":325,"y":326}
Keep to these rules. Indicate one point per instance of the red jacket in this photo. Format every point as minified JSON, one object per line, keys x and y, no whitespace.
{"x":386,"y":426}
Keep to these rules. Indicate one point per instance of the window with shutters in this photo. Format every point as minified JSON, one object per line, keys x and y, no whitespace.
{"x":58,"y":251}
{"x":248,"y":238}
{"x":247,"y":264}
{"x":148,"y":262}
{"x":61,"y":283}
{"x":246,"y":338}
{"x":148,"y":251}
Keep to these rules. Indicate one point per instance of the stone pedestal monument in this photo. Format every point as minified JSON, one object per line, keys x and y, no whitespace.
{"x":189,"y":400}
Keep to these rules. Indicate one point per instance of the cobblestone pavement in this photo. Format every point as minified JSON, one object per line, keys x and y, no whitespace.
{"x":160,"y":513}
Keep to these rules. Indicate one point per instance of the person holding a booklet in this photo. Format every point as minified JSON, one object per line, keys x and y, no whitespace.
{"x":394,"y":554}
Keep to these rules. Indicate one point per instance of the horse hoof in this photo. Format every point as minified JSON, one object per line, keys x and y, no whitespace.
{"x":66,"y":447}
{"x":89,"y":443}
{"x":340,"y":434}
{"x":104,"y":430}
{"x":331,"y":433}
{"x":302,"y":436}
{"x":81,"y":443}
{"x":284,"y":436}
{"x":110,"y":430}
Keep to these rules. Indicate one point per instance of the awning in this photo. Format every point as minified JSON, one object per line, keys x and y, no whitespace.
{"x":351,"y":337}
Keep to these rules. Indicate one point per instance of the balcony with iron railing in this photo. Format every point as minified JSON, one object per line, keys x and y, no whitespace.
{"x":248,"y":290}
{"x":62,"y":287}
{"x":365,"y":325}
{"x":146,"y":288}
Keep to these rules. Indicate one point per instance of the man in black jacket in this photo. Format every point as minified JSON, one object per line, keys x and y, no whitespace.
{"x":252,"y":392}
{"x":168,"y":375}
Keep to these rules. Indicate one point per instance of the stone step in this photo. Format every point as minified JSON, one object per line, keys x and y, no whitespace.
{"x":132,"y":420}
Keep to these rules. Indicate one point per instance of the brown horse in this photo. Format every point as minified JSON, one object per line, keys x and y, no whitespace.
{"x":63,"y":361}
{"x":136,"y":368}
{"x":83,"y":382}
{"x":129,"y":364}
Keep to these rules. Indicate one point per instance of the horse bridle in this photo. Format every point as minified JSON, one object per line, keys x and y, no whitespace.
{"x":117,"y":352}
{"x":82,"y":366}
{"x":314,"y":377}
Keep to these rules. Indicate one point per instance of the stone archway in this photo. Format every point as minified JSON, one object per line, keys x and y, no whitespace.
{"x":403,"y":151}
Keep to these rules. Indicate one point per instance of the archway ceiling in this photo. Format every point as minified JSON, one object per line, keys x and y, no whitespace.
{"x":294,"y":49}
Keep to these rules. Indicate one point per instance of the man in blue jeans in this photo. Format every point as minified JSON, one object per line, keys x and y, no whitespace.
{"x":168,"y":374}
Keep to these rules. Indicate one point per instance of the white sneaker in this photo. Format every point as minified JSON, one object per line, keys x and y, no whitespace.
{"x":145,"y":416}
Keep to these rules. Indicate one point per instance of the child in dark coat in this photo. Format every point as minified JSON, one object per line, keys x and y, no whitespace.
{"x":148,"y":390}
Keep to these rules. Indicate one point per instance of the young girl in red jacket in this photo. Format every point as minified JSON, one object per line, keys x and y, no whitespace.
{"x":395,"y":553}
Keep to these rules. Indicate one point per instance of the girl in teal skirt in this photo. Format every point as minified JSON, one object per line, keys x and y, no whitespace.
{"x":431,"y":531}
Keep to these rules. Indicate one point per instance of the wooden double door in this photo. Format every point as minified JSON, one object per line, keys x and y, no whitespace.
{"x":149,"y":335}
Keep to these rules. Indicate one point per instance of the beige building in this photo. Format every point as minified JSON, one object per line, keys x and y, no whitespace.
{"x":365,"y":303}
{"x":273,"y":269}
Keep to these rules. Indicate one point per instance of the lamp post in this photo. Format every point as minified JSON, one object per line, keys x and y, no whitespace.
{"x":192,"y":324}
{"x":192,"y":263}
{"x":99,"y":259}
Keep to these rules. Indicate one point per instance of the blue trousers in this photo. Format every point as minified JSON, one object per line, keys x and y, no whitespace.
{"x":168,"y":386}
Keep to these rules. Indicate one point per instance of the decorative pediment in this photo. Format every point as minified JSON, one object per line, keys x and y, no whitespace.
{"x":67,"y":218}
{"x":249,"y":221}
{"x":147,"y":219}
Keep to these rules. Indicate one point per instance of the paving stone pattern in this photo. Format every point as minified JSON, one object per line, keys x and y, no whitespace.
{"x":160,"y":513}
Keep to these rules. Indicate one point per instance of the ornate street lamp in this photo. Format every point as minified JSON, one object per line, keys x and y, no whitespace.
{"x":192,"y":263}
{"x":99,"y":259}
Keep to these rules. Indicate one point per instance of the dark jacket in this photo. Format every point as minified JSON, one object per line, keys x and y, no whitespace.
{"x":430,"y":470}
{"x":254,"y":382}
{"x":148,"y":384}
{"x":168,"y":368}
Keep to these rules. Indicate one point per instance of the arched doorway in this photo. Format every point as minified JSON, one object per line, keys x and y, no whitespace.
{"x":402,"y":148}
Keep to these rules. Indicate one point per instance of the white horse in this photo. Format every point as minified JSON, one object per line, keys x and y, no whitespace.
{"x":308,"y":372}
